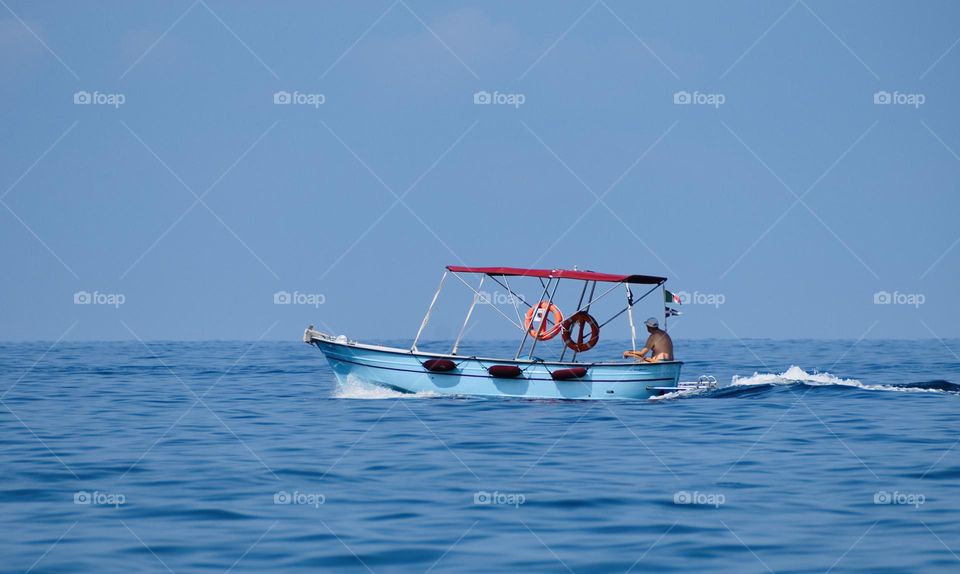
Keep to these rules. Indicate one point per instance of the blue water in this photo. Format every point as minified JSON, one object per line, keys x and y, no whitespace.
{"x":209,"y":457}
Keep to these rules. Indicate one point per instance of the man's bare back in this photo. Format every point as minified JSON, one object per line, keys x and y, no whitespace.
{"x":659,"y":345}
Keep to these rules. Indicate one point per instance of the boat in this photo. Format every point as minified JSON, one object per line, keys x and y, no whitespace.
{"x":525,"y":375}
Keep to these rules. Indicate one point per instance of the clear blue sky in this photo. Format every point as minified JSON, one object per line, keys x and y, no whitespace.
{"x":302,"y":198}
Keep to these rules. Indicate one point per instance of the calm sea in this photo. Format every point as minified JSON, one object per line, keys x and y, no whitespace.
{"x":816,"y":456}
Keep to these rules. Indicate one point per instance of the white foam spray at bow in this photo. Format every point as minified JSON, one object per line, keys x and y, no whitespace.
{"x":355,"y":388}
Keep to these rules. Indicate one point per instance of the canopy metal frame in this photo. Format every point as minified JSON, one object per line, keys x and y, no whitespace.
{"x":546,"y":295}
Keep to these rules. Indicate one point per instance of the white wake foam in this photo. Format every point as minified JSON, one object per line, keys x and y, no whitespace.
{"x":795,"y":375}
{"x":681,"y":394}
{"x":678,"y":394}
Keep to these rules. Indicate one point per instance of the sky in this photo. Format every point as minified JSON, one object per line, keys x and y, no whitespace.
{"x":171,"y":170}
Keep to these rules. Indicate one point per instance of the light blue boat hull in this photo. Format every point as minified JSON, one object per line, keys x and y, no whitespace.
{"x":402,"y":370}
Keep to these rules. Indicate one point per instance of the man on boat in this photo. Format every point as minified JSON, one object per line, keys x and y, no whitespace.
{"x":659,"y":344}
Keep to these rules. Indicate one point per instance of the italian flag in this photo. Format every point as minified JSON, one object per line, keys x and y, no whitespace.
{"x":669,"y":297}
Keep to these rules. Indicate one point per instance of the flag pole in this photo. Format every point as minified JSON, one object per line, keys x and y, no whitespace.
{"x":665,"y":314}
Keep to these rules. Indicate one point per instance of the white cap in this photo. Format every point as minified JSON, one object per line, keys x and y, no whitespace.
{"x":651,"y":322}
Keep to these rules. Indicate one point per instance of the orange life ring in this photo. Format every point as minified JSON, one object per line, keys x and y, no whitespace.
{"x":581,"y":318}
{"x":538,"y":312}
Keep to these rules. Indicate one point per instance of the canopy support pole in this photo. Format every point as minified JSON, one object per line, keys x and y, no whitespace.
{"x":593,"y":289}
{"x":583,"y":293}
{"x":545,"y":317}
{"x":627,"y":308}
{"x":494,"y":307}
{"x":526,"y":332}
{"x":423,"y":324}
{"x":597,"y":300}
{"x":513,"y":298}
{"x":473,"y":304}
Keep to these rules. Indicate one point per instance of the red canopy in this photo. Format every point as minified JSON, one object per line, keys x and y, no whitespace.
{"x":561,"y":274}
